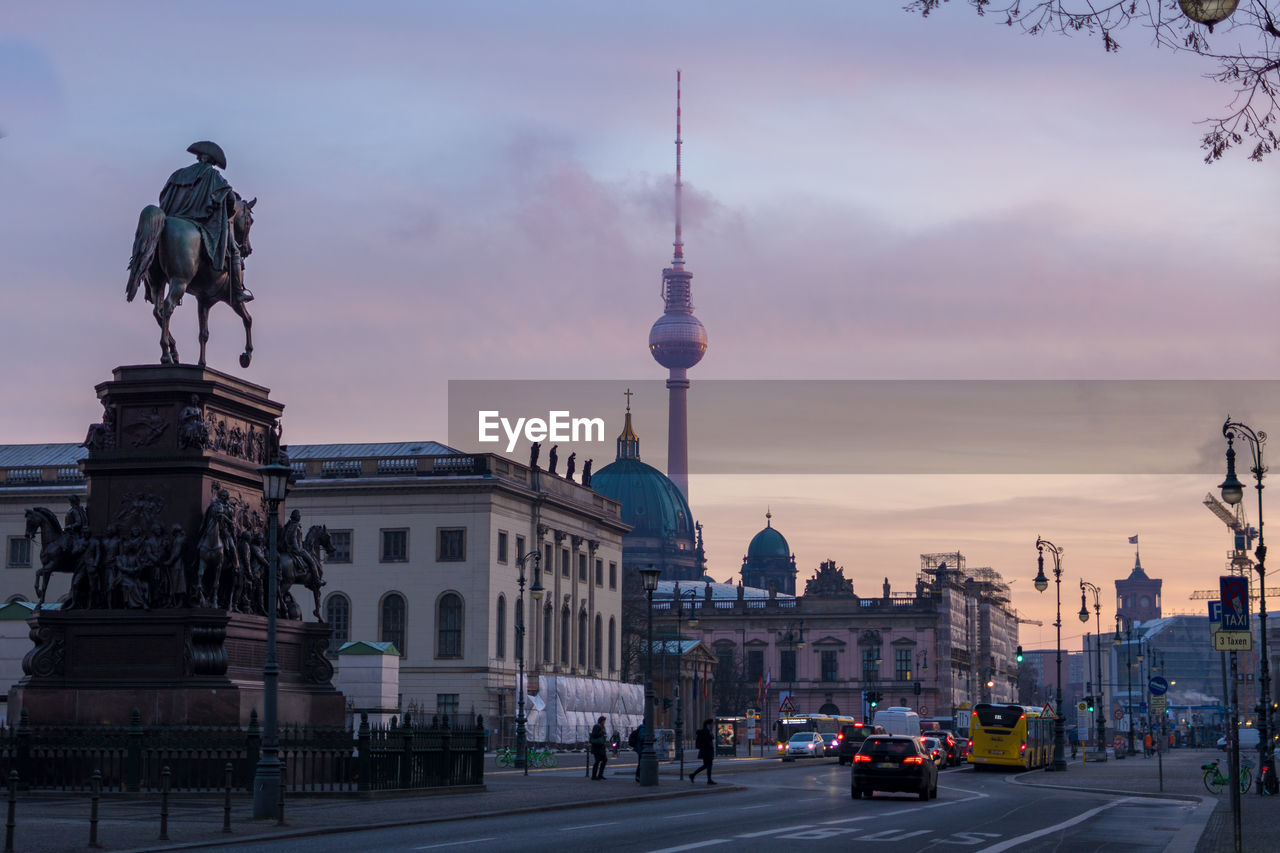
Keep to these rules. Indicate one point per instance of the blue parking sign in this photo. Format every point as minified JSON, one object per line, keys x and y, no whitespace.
{"x":1234,"y":590}
{"x":1215,"y":611}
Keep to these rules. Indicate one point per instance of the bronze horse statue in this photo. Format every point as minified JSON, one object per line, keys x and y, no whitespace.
{"x":57,"y":554}
{"x":213,"y":553}
{"x":317,"y":543}
{"x":169,"y":249}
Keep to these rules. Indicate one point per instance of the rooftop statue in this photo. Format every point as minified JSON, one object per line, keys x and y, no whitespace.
{"x":195,"y":242}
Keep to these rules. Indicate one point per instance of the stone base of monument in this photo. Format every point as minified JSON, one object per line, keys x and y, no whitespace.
{"x":198,"y":667}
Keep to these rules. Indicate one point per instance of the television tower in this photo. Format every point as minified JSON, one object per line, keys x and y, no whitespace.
{"x":678,"y":341}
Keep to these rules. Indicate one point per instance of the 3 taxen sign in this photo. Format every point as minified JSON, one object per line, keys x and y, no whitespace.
{"x":1234,"y":590}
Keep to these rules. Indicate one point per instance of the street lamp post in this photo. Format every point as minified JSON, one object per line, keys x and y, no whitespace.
{"x":1128,"y":674}
{"x":266,"y":778}
{"x":522,"y":736}
{"x":1233,"y":493}
{"x":1042,"y":583}
{"x":648,"y":768}
{"x":1097,"y":642}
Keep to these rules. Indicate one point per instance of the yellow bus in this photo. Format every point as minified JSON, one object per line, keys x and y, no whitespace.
{"x":1009,"y":736}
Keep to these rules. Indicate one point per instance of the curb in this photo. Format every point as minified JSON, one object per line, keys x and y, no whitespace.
{"x":393,"y":824}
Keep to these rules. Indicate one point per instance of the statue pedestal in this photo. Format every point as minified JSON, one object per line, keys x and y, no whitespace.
{"x":198,"y":667}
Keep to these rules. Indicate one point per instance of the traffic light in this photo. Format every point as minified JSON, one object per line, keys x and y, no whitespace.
{"x":1088,"y":701}
{"x":1018,"y":654}
{"x":917,"y":688}
{"x":873,"y":698}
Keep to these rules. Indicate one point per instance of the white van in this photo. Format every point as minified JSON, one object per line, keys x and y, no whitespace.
{"x":899,"y":721}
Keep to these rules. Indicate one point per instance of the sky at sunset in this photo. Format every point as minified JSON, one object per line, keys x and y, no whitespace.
{"x":483,"y":190}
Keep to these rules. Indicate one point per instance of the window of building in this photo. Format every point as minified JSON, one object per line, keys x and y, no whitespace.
{"x":502,"y":546}
{"x":613,"y":644}
{"x":520,"y":548}
{"x":449,"y":626}
{"x":755,"y":665}
{"x":564,"y":562}
{"x":18,"y":554}
{"x":829,"y":665}
{"x":902,"y":664}
{"x":546,"y":634}
{"x":870,"y":663}
{"x":582,"y":568}
{"x":564,"y":637}
{"x":341,"y":552}
{"x":337,"y":612}
{"x":451,"y":544}
{"x":395,"y":546}
{"x":613,"y":576}
{"x":582,"y":639}
{"x":447,"y":704}
{"x":787,"y":665}
{"x":392,"y":619}
{"x":599,"y":572}
{"x":598,"y":645}
{"x":500,"y":646}
{"x":726,"y":665}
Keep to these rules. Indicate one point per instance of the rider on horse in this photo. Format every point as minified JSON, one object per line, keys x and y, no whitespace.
{"x":200,"y":194}
{"x":294,"y":546}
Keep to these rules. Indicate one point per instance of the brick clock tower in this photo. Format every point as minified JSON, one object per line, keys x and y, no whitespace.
{"x":1137,"y":596}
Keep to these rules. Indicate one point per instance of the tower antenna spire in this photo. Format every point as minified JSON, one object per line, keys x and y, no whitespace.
{"x":678,"y":260}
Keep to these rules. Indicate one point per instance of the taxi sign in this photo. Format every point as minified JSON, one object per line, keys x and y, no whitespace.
{"x":1233,"y":641}
{"x":1234,"y":590}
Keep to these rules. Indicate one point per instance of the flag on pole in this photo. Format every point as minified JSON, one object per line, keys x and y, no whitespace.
{"x":768,"y":679}
{"x":1133,"y":540}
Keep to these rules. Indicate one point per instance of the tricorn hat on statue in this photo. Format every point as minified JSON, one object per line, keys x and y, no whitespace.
{"x":210,"y":150}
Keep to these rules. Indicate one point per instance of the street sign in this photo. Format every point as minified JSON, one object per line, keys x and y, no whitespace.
{"x":1159,"y":705}
{"x":1234,"y":590}
{"x":1118,"y":713}
{"x":1232,"y":641}
{"x":1215,"y":611}
{"x":1047,"y":712}
{"x":924,"y":709}
{"x":1157,"y":686}
{"x":786,"y":706}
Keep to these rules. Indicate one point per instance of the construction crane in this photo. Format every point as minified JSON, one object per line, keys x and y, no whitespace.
{"x":1021,"y":621}
{"x":1244,"y":535}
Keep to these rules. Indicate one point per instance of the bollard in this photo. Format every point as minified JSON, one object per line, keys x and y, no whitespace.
{"x":13,"y":802}
{"x":280,"y":801}
{"x":588,"y":773}
{"x":226,"y":803}
{"x":164,"y":803}
{"x":95,"y":787}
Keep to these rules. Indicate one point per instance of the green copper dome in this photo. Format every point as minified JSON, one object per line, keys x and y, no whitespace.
{"x":651,"y":503}
{"x":768,"y":542}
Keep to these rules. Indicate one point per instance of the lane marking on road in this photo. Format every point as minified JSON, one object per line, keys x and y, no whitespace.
{"x":587,"y":826}
{"x":761,"y":806}
{"x":1048,"y":830}
{"x":684,"y":814}
{"x":456,"y":843}
{"x":711,"y":843}
{"x":795,"y":828}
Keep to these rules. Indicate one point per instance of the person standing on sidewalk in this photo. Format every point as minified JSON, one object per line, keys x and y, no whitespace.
{"x":705,"y":741}
{"x":636,"y":742}
{"x":599,"y":754}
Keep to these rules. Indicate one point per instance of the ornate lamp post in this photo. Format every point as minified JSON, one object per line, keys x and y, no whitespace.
{"x":1233,"y":493}
{"x":266,"y":778}
{"x":522,"y":737}
{"x":1097,"y":642}
{"x":1042,"y":583}
{"x":648,"y":760}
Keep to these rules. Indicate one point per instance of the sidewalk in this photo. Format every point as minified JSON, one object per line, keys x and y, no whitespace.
{"x":1209,"y":828}
{"x":52,"y":823}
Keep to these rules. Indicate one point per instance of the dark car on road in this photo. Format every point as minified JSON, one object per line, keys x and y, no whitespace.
{"x":893,"y":763}
{"x":852,"y":736}
{"x":952,"y":743}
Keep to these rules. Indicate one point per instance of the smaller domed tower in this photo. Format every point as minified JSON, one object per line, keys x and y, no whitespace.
{"x":769,"y":561}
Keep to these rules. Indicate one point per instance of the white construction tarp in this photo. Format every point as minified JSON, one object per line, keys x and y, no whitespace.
{"x":565,"y":708}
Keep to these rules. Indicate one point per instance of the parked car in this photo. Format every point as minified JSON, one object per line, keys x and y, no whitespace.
{"x":935,"y":749}
{"x":1248,"y":739}
{"x":804,"y":745}
{"x":893,"y":763}
{"x":853,"y":734}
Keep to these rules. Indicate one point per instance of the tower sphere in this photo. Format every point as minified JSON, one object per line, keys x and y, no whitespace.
{"x":677,"y":341}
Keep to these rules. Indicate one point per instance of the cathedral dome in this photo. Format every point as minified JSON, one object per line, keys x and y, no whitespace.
{"x":768,"y":542}
{"x":651,"y":503}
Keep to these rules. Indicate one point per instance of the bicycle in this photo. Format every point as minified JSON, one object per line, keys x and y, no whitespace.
{"x":505,"y":756}
{"x":1214,"y":778}
{"x":542,"y":757}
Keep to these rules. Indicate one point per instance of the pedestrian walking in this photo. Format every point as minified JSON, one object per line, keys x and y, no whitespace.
{"x":705,"y":741}
{"x":599,"y":753}
{"x":636,"y":742}
{"x":1146,"y":745}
